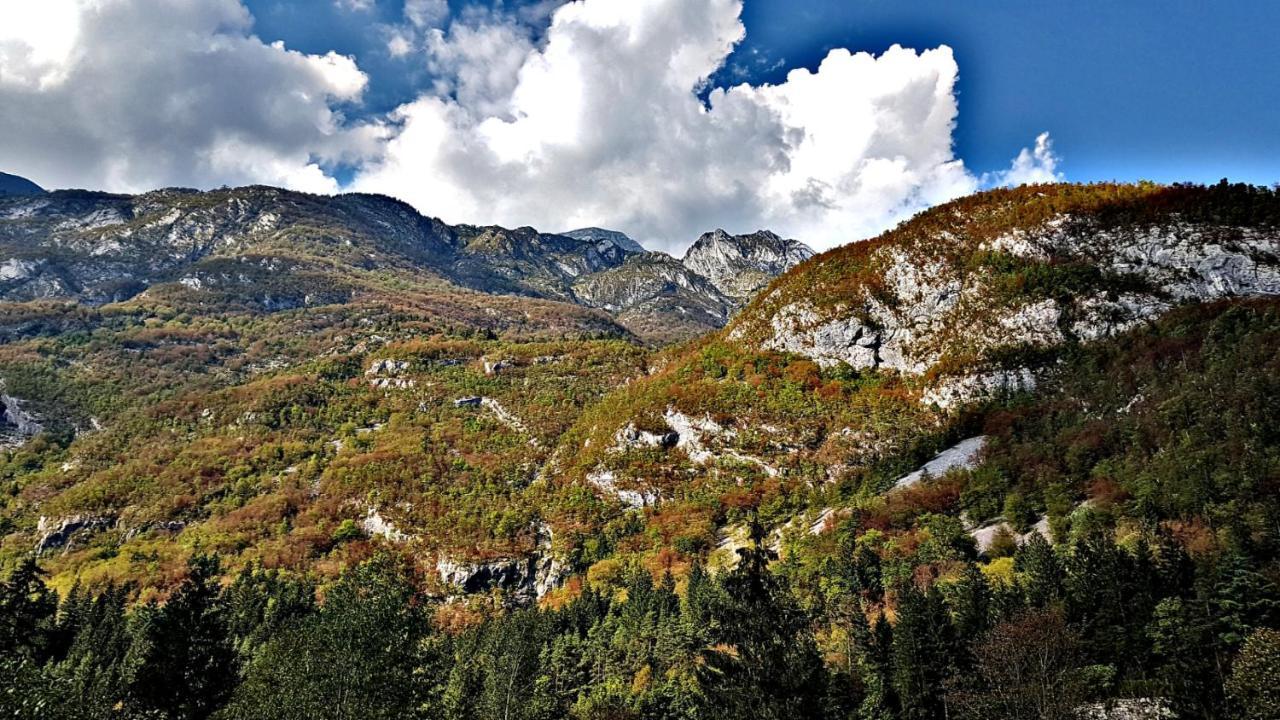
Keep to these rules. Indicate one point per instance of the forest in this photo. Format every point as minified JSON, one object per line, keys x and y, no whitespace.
{"x":1044,"y":633}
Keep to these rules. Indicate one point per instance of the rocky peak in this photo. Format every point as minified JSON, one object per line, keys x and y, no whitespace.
{"x":606,"y":239}
{"x":272,"y":249}
{"x":740,"y":265}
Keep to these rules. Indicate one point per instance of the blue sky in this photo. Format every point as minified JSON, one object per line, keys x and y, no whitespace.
{"x":1165,"y":90}
{"x":823,"y":120}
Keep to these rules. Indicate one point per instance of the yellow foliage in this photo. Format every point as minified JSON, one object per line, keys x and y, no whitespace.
{"x":1000,"y":570}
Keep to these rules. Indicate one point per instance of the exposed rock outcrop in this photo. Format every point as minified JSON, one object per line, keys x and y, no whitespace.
{"x":928,"y":306}
{"x":740,"y":265}
{"x":985,"y":536}
{"x":522,"y":579}
{"x":12,"y":414}
{"x":63,"y":533}
{"x":962,"y":455}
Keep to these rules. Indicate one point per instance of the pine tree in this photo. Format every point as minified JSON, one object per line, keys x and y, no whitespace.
{"x":95,"y":666}
{"x":360,"y":656}
{"x":924,"y":653}
{"x":28,"y":614}
{"x":1039,"y":572}
{"x":773,"y":669}
{"x":181,"y":658}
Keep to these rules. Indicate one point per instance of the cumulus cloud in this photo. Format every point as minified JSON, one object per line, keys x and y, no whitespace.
{"x":477,"y":63}
{"x":553,"y":114}
{"x":604,"y":125}
{"x":130,"y":95}
{"x":1033,"y":165}
{"x":425,"y":13}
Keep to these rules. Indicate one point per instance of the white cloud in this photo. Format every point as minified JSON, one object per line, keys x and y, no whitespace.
{"x":596,"y":121}
{"x":426,"y":13}
{"x":603,"y":126}
{"x":1033,"y":165}
{"x":478,"y":63}
{"x":131,"y":95}
{"x":355,"y":5}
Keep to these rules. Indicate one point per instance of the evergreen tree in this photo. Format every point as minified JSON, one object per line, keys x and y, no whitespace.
{"x":971,"y":603}
{"x":181,"y":661}
{"x":1039,"y":572}
{"x":94,"y":673}
{"x":772,"y":669}
{"x":28,"y":614}
{"x":924,"y":653}
{"x":1188,"y":657}
{"x":361,"y":656}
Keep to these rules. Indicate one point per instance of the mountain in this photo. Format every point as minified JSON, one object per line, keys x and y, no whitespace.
{"x":1031,"y":423}
{"x":273,"y":250}
{"x":739,"y":265}
{"x":14,"y":186}
{"x":606,"y":237}
{"x":865,"y":359}
{"x":659,"y":297}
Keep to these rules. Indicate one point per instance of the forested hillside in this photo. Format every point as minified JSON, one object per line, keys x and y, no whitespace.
{"x":1017,"y":458}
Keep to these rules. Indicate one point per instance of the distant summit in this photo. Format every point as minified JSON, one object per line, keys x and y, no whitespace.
{"x":14,"y":186}
{"x":598,"y":235}
{"x":739,"y":265}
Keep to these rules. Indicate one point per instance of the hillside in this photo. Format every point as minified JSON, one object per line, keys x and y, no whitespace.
{"x":1046,"y":407}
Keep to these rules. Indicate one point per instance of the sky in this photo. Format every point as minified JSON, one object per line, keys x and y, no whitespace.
{"x":824,"y":120}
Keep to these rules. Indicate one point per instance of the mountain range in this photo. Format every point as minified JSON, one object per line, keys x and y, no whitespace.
{"x":272,"y":250}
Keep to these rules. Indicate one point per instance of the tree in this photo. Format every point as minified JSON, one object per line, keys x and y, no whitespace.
{"x":95,"y":668}
{"x":260,"y":603}
{"x":924,"y":653}
{"x":1026,"y":667}
{"x":1253,"y":688}
{"x":28,"y":614}
{"x":1186,"y":655}
{"x":1040,"y":572}
{"x":181,"y":661}
{"x":357,"y":657}
{"x":771,"y":667}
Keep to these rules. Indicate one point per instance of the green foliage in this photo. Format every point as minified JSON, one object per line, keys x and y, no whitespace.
{"x":1252,"y":685}
{"x":181,"y":661}
{"x":355,"y":658}
{"x":265,"y":438}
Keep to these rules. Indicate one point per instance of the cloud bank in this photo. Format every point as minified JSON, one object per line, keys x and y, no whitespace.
{"x":600,"y":115}
{"x":131,"y":95}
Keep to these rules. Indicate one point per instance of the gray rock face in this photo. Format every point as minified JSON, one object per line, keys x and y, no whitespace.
{"x":740,"y":265}
{"x":525,"y":579}
{"x":12,"y":414}
{"x":272,"y":250}
{"x":62,"y":533}
{"x":928,"y":307}
{"x":603,"y":238}
{"x":962,"y":455}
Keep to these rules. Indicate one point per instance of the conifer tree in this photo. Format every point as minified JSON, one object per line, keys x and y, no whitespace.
{"x":181,"y":660}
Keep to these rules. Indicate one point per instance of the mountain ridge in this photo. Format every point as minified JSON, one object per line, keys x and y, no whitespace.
{"x":102,"y":248}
